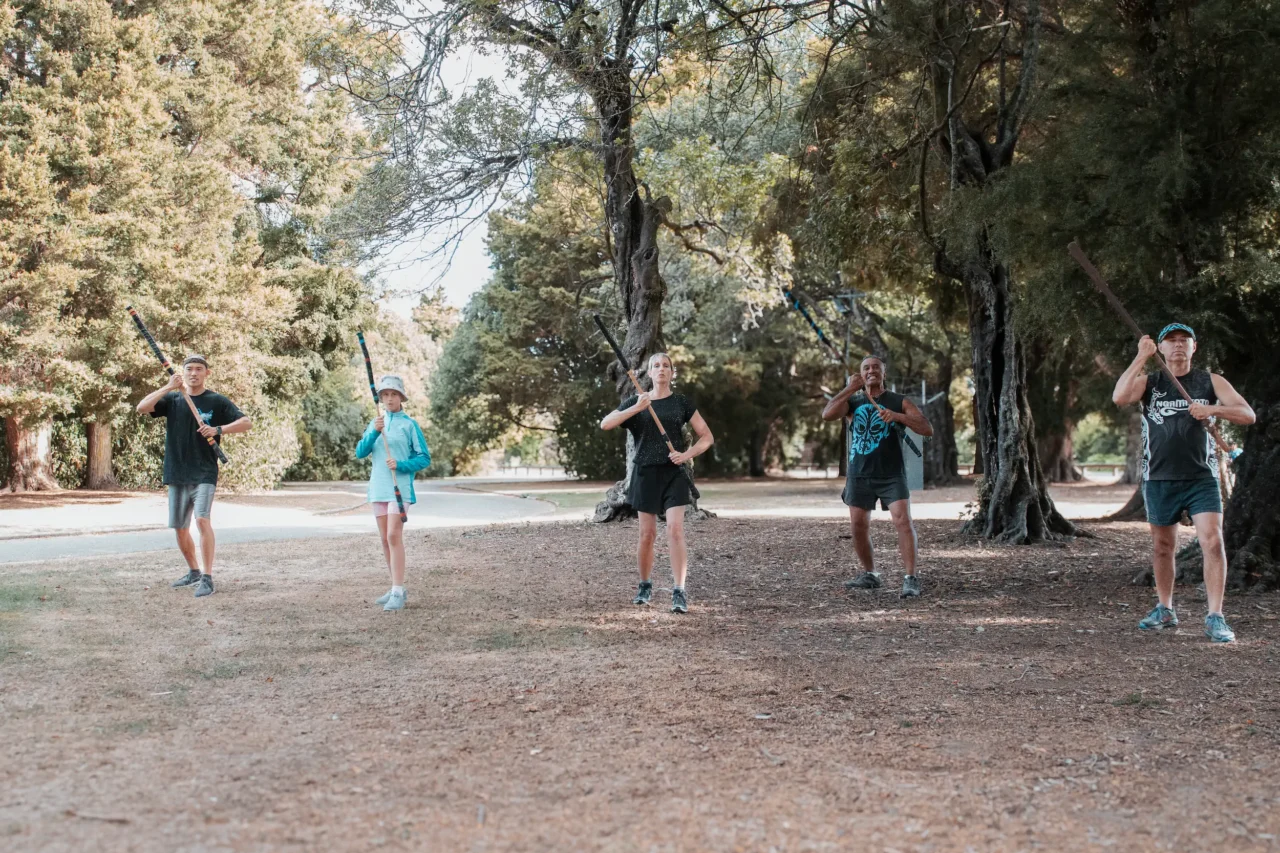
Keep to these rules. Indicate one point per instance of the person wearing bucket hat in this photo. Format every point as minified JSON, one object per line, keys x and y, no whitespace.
{"x":409,"y":454}
{"x":1180,"y":465}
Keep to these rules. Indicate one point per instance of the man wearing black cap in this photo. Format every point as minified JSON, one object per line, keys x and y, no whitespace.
{"x":190,"y":466}
{"x":1180,"y":467}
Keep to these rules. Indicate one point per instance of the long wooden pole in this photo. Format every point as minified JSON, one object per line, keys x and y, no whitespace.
{"x":1073,"y":249}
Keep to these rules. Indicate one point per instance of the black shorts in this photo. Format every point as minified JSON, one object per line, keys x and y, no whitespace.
{"x":656,"y":488}
{"x":863,"y":492}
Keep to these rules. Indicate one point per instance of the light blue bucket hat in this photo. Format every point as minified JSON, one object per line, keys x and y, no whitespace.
{"x":391,"y":382}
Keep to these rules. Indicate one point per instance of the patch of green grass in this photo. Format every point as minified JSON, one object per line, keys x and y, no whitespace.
{"x":560,"y":637}
{"x":131,"y":727}
{"x":223,"y":670}
{"x":1138,"y":700}
{"x":27,"y":596}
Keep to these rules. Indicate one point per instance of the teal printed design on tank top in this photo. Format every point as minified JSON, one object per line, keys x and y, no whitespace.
{"x":866,"y":431}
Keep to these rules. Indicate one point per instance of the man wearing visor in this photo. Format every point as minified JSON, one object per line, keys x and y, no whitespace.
{"x":1180,"y":466}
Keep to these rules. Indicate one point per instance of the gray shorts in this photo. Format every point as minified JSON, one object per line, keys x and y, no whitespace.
{"x":863,"y":492}
{"x":188,"y":498}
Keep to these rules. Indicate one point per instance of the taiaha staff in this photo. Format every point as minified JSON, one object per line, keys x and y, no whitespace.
{"x":368,"y":366}
{"x":1073,"y":249}
{"x":155,"y":347}
{"x":622,"y":359}
{"x":804,"y":312}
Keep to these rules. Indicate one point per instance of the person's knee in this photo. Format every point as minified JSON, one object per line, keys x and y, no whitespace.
{"x":204,"y":525}
{"x":903,"y":525}
{"x":1164,"y":547}
{"x":1211,"y":541}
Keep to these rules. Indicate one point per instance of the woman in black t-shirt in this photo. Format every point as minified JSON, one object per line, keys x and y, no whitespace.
{"x":658,"y":483}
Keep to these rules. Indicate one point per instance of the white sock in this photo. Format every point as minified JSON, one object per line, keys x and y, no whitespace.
{"x":397,"y":590}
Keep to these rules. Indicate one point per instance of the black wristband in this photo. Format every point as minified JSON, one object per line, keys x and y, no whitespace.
{"x":219,"y":430}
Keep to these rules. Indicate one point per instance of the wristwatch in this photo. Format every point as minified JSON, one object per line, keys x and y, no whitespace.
{"x":219,"y":430}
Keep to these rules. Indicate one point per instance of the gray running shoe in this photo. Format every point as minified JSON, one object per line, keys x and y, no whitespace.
{"x":866,"y":580}
{"x":1159,"y":618}
{"x":679,"y":604}
{"x":644,"y":593}
{"x":1217,"y":629}
{"x":394,"y":602}
{"x":186,"y":580}
{"x":204,"y":586}
{"x":910,"y":586}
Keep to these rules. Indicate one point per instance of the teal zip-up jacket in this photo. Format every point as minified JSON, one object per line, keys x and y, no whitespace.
{"x":409,"y":449}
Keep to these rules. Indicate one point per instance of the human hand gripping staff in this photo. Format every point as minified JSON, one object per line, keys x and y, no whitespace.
{"x":622,"y":359}
{"x":217,"y":448}
{"x":368,"y":366}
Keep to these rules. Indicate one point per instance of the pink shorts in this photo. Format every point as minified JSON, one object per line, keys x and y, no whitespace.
{"x":381,"y":508}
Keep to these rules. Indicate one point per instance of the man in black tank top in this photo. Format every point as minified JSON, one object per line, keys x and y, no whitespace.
{"x":876,"y":470}
{"x":1180,"y":465}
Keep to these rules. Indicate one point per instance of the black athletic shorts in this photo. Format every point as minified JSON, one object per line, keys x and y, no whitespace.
{"x":863,"y":492}
{"x":656,"y":488}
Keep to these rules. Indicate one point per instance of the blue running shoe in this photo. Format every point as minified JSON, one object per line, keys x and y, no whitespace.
{"x":1217,"y":629}
{"x":1160,"y":618}
{"x":394,"y":602}
{"x":644,"y":593}
{"x":386,"y":596}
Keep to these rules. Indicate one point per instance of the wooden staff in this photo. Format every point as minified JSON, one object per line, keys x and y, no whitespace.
{"x":373,"y":389}
{"x":1073,"y":249}
{"x":155,"y":348}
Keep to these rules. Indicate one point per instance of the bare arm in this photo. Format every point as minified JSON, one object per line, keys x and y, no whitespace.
{"x":1230,"y":407}
{"x":911,"y":417}
{"x":839,"y":405}
{"x":701,"y":446}
{"x":1132,"y":384}
{"x":617,"y":417}
{"x":148,"y":403}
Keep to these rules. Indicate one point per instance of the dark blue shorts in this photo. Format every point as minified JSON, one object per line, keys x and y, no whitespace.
{"x":1166,"y":499}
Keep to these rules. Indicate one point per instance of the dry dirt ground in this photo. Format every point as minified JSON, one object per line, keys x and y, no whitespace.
{"x":520,"y":702}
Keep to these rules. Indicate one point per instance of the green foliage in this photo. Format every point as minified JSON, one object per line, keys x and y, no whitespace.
{"x":167,"y":154}
{"x":1098,"y":440}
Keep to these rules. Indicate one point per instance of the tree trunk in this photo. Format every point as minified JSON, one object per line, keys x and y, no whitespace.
{"x":633,"y":219}
{"x":1052,"y":392}
{"x":755,"y":452}
{"x":941,"y":458}
{"x":98,"y":473}
{"x":1133,"y":449}
{"x":1057,"y":458}
{"x":1013,"y":502}
{"x":1251,"y":528}
{"x":30,"y":455}
{"x":1134,"y":510}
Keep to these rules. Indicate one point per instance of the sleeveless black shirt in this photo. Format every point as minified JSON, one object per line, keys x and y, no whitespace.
{"x":1176,"y":446}
{"x":875,"y":449}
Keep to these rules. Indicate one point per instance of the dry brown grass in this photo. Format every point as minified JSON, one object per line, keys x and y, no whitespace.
{"x":521,"y":704}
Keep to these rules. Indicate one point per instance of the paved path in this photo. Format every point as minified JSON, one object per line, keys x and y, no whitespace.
{"x":137,"y":524}
{"x":85,"y":525}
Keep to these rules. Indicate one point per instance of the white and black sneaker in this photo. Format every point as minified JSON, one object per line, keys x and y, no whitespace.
{"x":910,"y":586}
{"x":679,"y":603}
{"x":644,"y":593}
{"x":186,"y":580}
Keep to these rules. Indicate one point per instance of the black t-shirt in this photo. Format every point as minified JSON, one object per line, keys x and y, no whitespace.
{"x":188,"y":458}
{"x":674,"y":411}
{"x":875,"y":449}
{"x":1176,"y":446}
